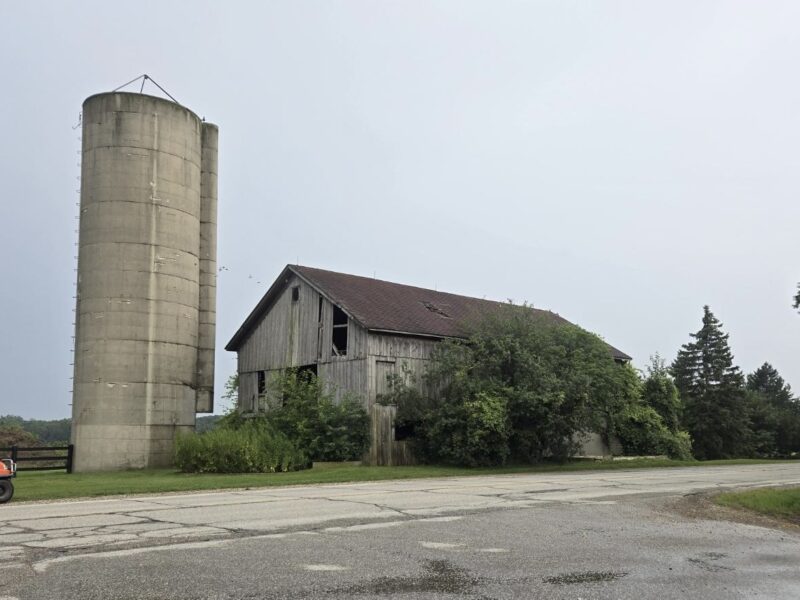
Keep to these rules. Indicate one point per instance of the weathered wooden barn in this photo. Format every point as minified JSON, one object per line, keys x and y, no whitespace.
{"x":350,"y":331}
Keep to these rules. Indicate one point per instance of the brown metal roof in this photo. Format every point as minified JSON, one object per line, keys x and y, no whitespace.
{"x":385,"y":306}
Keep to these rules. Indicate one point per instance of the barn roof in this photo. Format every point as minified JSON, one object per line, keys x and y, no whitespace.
{"x":385,"y":306}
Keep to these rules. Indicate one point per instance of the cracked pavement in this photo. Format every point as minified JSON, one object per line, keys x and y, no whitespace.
{"x":29,"y":528}
{"x":36,"y":536}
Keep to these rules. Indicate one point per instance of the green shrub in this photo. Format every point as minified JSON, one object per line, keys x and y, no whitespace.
{"x":251,"y":448}
{"x":412,"y":407}
{"x":308,"y":415}
{"x":343,"y":431}
{"x":642,"y":432}
{"x":473,"y":433}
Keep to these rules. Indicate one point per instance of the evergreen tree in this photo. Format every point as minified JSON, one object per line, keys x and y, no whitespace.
{"x":712,"y":389}
{"x":764,"y":424}
{"x":768,"y":381}
{"x":775,"y":407}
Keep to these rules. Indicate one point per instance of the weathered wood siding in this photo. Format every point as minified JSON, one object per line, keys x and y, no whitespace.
{"x":391,"y":354}
{"x":345,"y":377}
{"x":291,"y":334}
{"x":287,"y":334}
{"x":248,"y":392}
{"x":385,"y":450}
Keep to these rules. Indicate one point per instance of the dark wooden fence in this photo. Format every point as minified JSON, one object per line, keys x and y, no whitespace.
{"x":40,"y":458}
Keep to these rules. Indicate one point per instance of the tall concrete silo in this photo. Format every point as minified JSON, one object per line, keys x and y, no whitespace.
{"x":144,"y":334}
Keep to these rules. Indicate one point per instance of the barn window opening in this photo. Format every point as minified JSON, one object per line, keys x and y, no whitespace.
{"x":262,"y":382}
{"x":305,"y":372}
{"x":296,"y":293}
{"x":339,"y":332}
{"x":404,"y":430}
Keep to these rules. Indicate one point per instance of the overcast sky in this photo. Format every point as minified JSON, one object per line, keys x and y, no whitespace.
{"x":621,"y":163}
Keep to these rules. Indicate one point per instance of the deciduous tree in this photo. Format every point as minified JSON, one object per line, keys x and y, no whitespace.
{"x":660,"y":393}
{"x":12,"y":435}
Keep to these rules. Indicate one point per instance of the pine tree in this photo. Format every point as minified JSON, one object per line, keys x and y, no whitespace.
{"x":712,"y":390}
{"x":772,"y":399}
{"x":768,"y":381}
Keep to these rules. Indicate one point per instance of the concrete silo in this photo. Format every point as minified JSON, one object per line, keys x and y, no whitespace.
{"x":144,"y":333}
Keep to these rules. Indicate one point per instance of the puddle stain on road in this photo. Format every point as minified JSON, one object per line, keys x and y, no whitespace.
{"x":584,"y":577}
{"x":439,"y":577}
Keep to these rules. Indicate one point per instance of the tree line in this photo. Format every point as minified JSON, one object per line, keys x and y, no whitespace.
{"x":16,"y":431}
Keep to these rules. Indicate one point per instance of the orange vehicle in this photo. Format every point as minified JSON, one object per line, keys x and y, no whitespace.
{"x":8,"y":470}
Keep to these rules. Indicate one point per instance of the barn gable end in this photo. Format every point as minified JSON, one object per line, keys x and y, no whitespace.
{"x":295,"y":328}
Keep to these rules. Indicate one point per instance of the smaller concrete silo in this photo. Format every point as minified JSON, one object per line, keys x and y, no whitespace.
{"x":208,"y":269}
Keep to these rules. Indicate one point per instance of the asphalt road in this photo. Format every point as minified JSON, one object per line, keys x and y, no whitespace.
{"x":571,"y":535}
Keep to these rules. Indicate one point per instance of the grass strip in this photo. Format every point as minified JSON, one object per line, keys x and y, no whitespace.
{"x":779,"y":503}
{"x":50,"y":485}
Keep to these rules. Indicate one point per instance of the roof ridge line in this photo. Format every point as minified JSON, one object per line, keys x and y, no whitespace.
{"x":416,"y":287}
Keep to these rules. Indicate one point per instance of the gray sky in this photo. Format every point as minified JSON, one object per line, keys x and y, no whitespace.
{"x":621,"y":163}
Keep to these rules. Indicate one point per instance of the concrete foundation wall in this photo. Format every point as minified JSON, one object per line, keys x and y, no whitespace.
{"x":593,"y":446}
{"x":140,"y":297}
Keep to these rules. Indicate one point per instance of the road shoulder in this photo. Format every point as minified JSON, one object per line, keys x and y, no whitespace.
{"x":701,"y":505}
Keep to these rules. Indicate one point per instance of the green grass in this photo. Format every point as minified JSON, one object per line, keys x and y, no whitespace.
{"x":50,"y":485}
{"x":781,"y":503}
